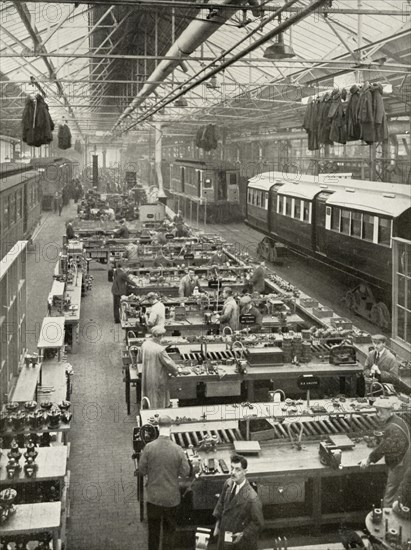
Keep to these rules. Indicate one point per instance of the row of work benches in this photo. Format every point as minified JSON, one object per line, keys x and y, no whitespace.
{"x":35,"y":423}
{"x":303,"y":452}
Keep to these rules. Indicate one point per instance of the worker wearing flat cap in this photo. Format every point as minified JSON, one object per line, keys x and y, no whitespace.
{"x":156,"y":317}
{"x":163,"y":462}
{"x":229,"y":316}
{"x":247,"y":310}
{"x":157,"y":367}
{"x":382,"y":365}
{"x":394,"y":448}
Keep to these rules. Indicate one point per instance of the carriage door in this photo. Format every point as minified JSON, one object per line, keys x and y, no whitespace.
{"x":25,"y":208}
{"x":232,"y":186}
{"x":221,"y":186}
{"x":318,"y":222}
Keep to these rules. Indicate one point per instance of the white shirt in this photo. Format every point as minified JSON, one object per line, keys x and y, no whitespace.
{"x":157,"y":315}
{"x":239,"y":487}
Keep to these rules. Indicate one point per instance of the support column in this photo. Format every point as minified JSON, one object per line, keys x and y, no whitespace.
{"x":162,"y":197}
{"x":95,"y":168}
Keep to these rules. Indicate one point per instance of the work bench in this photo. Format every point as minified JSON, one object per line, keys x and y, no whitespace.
{"x":295,"y":487}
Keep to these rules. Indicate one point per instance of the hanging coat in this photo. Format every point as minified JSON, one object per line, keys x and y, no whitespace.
{"x":157,"y":365}
{"x":78,"y":147}
{"x":353,"y":123}
{"x":380,"y":118}
{"x":37,"y":124}
{"x":336,"y":116}
{"x":64,"y":137}
{"x":323,"y":120}
{"x":366,"y":115}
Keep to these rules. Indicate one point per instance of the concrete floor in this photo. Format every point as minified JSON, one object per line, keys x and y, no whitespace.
{"x":104,"y":508}
{"x":102,"y":488}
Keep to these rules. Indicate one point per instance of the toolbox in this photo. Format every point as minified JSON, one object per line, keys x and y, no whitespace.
{"x":322,"y":312}
{"x":308,"y":302}
{"x":265,"y":357}
{"x":259,"y":429}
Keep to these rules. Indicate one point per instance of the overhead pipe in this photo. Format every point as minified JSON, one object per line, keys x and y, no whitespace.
{"x":197,"y":32}
{"x":315,"y":5}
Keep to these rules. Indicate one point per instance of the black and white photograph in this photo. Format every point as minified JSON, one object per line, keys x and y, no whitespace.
{"x":205,"y":274}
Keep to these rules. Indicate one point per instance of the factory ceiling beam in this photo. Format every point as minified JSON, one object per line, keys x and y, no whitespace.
{"x":271,"y":34}
{"x":25,"y":16}
{"x":150,"y":4}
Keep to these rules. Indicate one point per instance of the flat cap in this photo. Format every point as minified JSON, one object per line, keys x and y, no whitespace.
{"x":384,"y":404}
{"x":244,"y":300}
{"x":152,"y":296}
{"x":378,"y":338}
{"x":165,"y":420}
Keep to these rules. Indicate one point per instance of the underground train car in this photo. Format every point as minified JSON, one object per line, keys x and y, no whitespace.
{"x":20,"y":204}
{"x":346,"y":223}
{"x":55,"y":173}
{"x":211,"y":186}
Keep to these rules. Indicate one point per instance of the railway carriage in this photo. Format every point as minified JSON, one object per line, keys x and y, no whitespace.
{"x":55,"y":173}
{"x":20,"y":204}
{"x":212,"y":187}
{"x":346,"y":223}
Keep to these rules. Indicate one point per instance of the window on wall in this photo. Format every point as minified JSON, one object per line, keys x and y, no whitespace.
{"x":335,"y":219}
{"x":288,"y":206}
{"x":384,"y":231}
{"x":368,"y":227}
{"x":356,"y":224}
{"x":306,"y":211}
{"x":345,"y":221}
{"x":297,"y":209}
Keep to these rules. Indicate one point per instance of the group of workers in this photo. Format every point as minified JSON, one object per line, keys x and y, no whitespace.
{"x":238,"y":512}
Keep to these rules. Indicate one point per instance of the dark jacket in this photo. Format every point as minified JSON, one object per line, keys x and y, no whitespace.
{"x":37,"y":124}
{"x":258,"y":279}
{"x":336,"y":116}
{"x":405,"y":488}
{"x":395,"y":442}
{"x":366,"y":116}
{"x":386,"y":362}
{"x":163,"y":462}
{"x":380,"y":118}
{"x":241,"y":514}
{"x":119,"y":286}
{"x":122,"y":233}
{"x":70,"y":231}
{"x":353,"y":124}
{"x":256,"y":327}
{"x":64,"y":137}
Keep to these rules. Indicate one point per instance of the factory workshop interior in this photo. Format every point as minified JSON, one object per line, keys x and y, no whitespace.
{"x":205,"y":274}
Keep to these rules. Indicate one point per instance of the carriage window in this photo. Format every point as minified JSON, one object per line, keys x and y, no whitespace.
{"x":306,"y":211}
{"x":384,"y":231}
{"x":356,"y":219}
{"x":345,"y":221}
{"x":266,"y":201}
{"x":288,"y":206}
{"x":207,"y":182}
{"x":12,"y":207}
{"x":368,"y":228}
{"x":6,"y":222}
{"x":297,"y":209}
{"x":19,"y":204}
{"x":249,"y":196}
{"x":335,"y":219}
{"x":280,"y":204}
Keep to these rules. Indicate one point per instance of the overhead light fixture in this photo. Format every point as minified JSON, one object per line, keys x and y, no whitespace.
{"x":279,"y":50}
{"x":181,"y":102}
